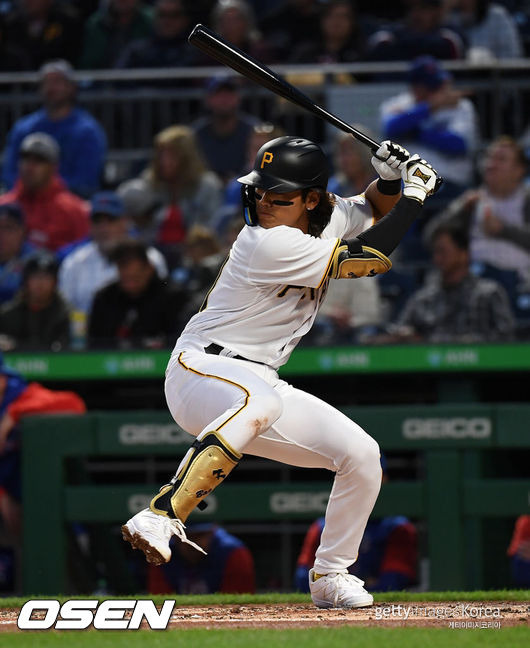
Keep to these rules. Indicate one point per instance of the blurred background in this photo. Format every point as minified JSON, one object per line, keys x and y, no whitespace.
{"x":121,"y":145}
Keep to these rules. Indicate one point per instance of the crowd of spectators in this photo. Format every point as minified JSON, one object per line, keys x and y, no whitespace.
{"x":152,"y":33}
{"x":89,"y":262}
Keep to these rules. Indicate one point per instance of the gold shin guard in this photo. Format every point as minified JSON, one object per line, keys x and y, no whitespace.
{"x":209,"y":463}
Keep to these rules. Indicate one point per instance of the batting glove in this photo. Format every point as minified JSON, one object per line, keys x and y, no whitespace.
{"x":419,"y":179}
{"x":389,"y":160}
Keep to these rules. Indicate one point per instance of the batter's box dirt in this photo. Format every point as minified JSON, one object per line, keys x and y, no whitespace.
{"x":420,"y":614}
{"x":483,"y":614}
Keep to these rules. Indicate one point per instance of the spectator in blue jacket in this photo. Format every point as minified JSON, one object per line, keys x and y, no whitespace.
{"x":81,"y":139}
{"x":433,"y":119}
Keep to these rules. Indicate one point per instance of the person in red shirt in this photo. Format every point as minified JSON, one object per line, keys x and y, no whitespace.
{"x":54,"y":215}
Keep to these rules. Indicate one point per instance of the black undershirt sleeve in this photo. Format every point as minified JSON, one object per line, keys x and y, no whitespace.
{"x":388,"y":232}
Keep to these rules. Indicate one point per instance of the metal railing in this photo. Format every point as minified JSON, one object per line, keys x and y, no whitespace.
{"x":133,"y":105}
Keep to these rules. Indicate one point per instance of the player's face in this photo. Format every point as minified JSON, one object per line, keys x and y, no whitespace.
{"x":289,"y":209}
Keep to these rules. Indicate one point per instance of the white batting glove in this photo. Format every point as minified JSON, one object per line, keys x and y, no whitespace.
{"x":389,"y":160}
{"x":419,"y":179}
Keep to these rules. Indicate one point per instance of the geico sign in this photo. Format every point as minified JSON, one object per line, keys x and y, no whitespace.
{"x":447,"y":428}
{"x":135,"y":434}
{"x":107,"y":615}
{"x":298,"y":502}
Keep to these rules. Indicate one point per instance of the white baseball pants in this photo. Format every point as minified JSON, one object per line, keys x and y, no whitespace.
{"x":260,"y":414}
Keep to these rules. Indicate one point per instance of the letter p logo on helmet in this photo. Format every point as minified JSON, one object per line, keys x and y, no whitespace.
{"x":266,"y":159}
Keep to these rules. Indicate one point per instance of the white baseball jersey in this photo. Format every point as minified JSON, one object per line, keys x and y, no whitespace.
{"x":268,"y":292}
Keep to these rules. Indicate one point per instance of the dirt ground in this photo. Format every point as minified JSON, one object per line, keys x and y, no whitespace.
{"x":483,"y":614}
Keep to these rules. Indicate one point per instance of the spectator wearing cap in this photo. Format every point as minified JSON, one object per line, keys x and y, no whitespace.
{"x":37,"y":317}
{"x":228,"y":566}
{"x":168,"y":45}
{"x":89,"y":267}
{"x":433,"y":119}
{"x":138,"y":309}
{"x":45,"y":30}
{"x":81,"y":139}
{"x":142,"y":205}
{"x":422,"y":33}
{"x":189,"y":193}
{"x":111,"y":28}
{"x":14,"y":249}
{"x":54,"y":215}
{"x":223,"y":134}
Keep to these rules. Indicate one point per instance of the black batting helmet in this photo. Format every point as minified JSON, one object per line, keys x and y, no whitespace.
{"x":284,"y":164}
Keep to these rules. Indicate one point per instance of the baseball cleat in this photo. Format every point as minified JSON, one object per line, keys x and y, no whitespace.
{"x":338,"y":590}
{"x":151,"y":533}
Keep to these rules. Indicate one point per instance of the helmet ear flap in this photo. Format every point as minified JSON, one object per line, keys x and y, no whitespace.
{"x":249,"y":204}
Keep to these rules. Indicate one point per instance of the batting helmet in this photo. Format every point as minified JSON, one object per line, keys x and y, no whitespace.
{"x":284,"y":164}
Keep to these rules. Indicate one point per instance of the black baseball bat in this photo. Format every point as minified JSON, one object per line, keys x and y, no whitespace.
{"x":226,"y":53}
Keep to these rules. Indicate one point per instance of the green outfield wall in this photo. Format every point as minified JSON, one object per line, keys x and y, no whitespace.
{"x":452,"y":499}
{"x":309,"y":361}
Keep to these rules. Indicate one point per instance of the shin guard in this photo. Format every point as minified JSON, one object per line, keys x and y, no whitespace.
{"x":211,"y":459}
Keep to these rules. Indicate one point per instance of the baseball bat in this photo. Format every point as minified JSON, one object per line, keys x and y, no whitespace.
{"x":226,"y":53}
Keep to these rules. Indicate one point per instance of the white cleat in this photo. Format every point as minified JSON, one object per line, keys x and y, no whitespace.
{"x":151,"y":533}
{"x":338,"y":590}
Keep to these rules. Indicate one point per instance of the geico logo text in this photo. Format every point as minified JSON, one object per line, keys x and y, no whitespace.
{"x":447,"y":428}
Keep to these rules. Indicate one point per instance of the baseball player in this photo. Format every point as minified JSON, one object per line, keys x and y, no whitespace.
{"x":222,"y":384}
